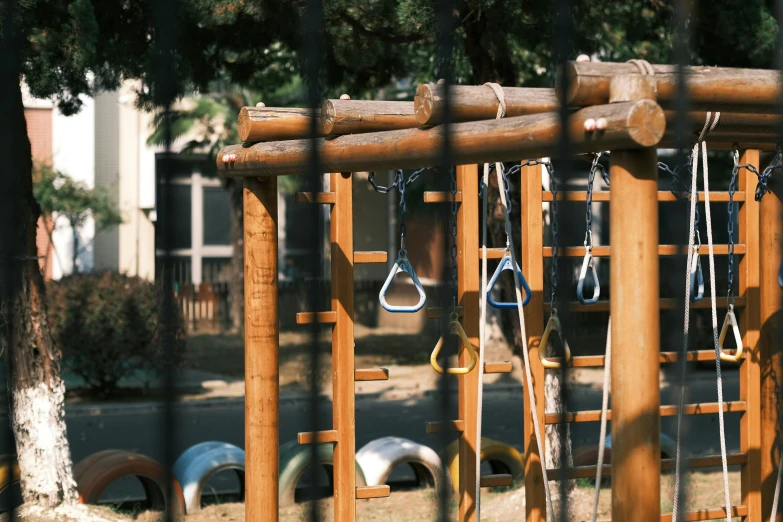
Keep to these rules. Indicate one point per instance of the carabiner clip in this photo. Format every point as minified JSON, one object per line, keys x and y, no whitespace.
{"x":697,"y":278}
{"x":553,"y":325}
{"x":454,"y":328}
{"x":587,"y":263}
{"x":402,"y":265}
{"x":508,"y":264}
{"x":730,"y":320}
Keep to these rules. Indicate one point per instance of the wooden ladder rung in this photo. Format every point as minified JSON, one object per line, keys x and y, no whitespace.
{"x":595,"y":361}
{"x":708,"y":461}
{"x":663,"y":250}
{"x":364,"y":492}
{"x":370,"y":257}
{"x":316,"y":437}
{"x":328,"y":198}
{"x":704,"y":408}
{"x":666,"y":303}
{"x":498,"y":367}
{"x":663,"y":196}
{"x":708,"y":514}
{"x":494,"y":481}
{"x":371,"y":374}
{"x":441,"y":197}
{"x":438,"y":427}
{"x":316,"y":317}
{"x":436,"y":312}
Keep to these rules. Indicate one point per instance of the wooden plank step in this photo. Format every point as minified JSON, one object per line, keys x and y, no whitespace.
{"x":663,"y":250}
{"x":709,"y":461}
{"x":666,"y":303}
{"x":438,"y":427}
{"x":370,"y":256}
{"x":498,"y":367}
{"x":494,"y":481}
{"x":704,"y":514}
{"x":316,"y":437}
{"x":316,"y":317}
{"x":328,"y":198}
{"x":441,"y":197}
{"x":594,"y":361}
{"x":365,"y":492}
{"x":704,"y":408}
{"x":435,"y":312}
{"x":371,"y":374}
{"x":663,"y":196}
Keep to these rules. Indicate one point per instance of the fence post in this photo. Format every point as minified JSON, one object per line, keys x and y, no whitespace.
{"x":262,"y":343}
{"x":633,"y":207}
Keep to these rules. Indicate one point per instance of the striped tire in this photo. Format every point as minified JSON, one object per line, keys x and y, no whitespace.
{"x":10,"y":484}
{"x":294,"y":461}
{"x":501,"y":458}
{"x":201,"y":462}
{"x":380,"y":457}
{"x":101,"y":470}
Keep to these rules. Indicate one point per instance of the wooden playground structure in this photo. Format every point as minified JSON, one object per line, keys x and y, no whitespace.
{"x":625,"y":108}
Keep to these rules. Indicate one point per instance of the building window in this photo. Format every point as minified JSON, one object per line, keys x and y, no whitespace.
{"x":217,"y":216}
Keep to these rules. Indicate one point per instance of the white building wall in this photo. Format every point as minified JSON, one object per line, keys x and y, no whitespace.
{"x":73,"y":153}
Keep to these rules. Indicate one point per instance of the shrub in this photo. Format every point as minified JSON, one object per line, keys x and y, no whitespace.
{"x":108,"y":326}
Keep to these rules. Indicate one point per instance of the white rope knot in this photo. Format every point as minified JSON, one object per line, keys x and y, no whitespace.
{"x":645,"y":69}
{"x":501,"y":96}
{"x":710,"y":122}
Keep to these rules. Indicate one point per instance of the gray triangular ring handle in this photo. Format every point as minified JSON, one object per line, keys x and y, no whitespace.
{"x":697,"y":278}
{"x":402,"y":265}
{"x":587,"y":264}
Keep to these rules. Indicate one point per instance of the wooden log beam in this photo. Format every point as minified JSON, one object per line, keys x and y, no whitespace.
{"x":630,"y":125}
{"x":255,"y":124}
{"x":478,"y":102}
{"x":716,"y":87}
{"x":357,"y":116}
{"x":730,"y":122}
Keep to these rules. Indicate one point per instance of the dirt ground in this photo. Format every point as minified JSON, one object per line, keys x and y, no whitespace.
{"x":705,"y":491}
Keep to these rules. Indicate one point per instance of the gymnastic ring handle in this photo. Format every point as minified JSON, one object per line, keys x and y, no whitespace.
{"x":454,"y":328}
{"x":553,"y":325}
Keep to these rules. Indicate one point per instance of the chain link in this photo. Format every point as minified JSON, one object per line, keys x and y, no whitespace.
{"x":400,"y":183}
{"x":396,"y":185}
{"x":555,"y":234}
{"x":589,"y":202}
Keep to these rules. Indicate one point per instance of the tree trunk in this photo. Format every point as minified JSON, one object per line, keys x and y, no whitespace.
{"x":75,"y":253}
{"x":237,"y":283}
{"x":37,"y":392}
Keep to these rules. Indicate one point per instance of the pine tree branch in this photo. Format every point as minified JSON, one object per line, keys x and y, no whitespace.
{"x":384,"y":37}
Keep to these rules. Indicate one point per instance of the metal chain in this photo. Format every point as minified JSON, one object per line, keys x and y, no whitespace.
{"x":589,"y":203}
{"x":555,"y":233}
{"x":732,"y":188}
{"x":400,"y":183}
{"x":396,"y":185}
{"x":454,"y":238}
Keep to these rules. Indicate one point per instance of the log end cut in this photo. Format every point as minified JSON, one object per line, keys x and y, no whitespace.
{"x":243,"y":124}
{"x":646,"y":123}
{"x":328,"y":112}
{"x":423,"y":103}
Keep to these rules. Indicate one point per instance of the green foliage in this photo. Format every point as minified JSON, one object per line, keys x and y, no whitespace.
{"x":58,"y":193}
{"x":108,"y":326}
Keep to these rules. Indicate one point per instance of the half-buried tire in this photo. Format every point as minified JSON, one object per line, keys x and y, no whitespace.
{"x":380,"y":457}
{"x":201,"y":462}
{"x":501,"y":457}
{"x":294,"y":461}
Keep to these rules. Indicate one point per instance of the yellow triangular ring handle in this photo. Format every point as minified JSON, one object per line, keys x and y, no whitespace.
{"x":454,"y":328}
{"x":730,"y":320}
{"x":553,"y":325}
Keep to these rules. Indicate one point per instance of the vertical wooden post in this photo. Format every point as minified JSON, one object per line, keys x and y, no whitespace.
{"x":636,"y":454}
{"x":533,"y":268}
{"x":770,"y":355}
{"x":262,"y":342}
{"x":750,"y":375}
{"x":468,"y":238}
{"x":343,"y":413}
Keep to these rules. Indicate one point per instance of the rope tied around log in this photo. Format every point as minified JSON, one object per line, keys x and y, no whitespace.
{"x":501,"y":96}
{"x":645,"y":69}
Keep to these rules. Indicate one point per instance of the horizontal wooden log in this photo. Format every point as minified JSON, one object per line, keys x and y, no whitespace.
{"x":366,"y":492}
{"x":370,"y":256}
{"x":729,"y":122}
{"x":438,"y":427}
{"x":329,"y":317}
{"x":357,"y":116}
{"x":442,"y":197}
{"x":596,"y":361}
{"x":316,"y":437}
{"x":478,"y":102}
{"x":255,"y":124}
{"x":708,"y":461}
{"x":725,"y":141}
{"x":496,"y":481}
{"x":329,"y":198}
{"x":498,"y":367}
{"x":663,"y":196}
{"x":371,"y":374}
{"x":752,"y":90}
{"x":630,"y":125}
{"x":668,"y":410}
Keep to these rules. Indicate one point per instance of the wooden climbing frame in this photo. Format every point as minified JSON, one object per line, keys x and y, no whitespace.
{"x":635,"y":110}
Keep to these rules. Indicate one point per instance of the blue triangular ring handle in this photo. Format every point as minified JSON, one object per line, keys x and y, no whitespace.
{"x":402,"y":265}
{"x":507,"y":264}
{"x":587,"y":264}
{"x":697,"y":279}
